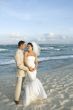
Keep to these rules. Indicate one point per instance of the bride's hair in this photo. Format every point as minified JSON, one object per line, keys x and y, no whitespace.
{"x":35,"y":48}
{"x":30,"y":44}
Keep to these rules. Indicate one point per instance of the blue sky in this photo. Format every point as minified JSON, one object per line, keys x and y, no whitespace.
{"x":34,"y":17}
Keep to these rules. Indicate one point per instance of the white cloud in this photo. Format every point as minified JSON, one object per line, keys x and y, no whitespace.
{"x":12,"y":38}
{"x":55,"y":38}
{"x":51,"y":38}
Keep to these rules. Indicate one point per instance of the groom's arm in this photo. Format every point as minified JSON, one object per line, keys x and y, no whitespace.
{"x":22,"y":67}
{"x":20,"y":63}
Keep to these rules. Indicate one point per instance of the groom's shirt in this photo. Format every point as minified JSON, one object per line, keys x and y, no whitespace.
{"x":19,"y":58}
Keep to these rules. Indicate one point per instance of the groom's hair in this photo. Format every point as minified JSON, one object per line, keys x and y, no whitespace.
{"x":20,"y":43}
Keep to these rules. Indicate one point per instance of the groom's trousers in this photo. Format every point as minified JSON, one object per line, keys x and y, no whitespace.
{"x":19,"y":84}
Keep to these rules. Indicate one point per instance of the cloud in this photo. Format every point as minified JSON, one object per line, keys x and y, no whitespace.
{"x":52,"y":38}
{"x":12,"y":38}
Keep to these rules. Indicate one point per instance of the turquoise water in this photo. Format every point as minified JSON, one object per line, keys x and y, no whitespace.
{"x":51,"y":57}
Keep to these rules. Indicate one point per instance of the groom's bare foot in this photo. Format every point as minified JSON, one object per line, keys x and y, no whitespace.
{"x":16,"y":102}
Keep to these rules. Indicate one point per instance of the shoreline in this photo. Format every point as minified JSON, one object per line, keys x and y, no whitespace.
{"x":58,"y":84}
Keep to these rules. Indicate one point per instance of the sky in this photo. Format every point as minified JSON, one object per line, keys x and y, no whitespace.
{"x":30,"y":19}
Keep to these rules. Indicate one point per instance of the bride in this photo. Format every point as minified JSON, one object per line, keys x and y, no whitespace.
{"x":33,"y":89}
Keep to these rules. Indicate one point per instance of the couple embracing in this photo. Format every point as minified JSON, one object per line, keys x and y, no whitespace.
{"x":26,"y":62}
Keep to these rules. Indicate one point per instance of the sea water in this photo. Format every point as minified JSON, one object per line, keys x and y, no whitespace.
{"x":52,"y":56}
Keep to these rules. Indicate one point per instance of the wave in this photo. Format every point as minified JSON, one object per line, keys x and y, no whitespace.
{"x":1,"y":49}
{"x":57,"y":49}
{"x":41,"y":59}
{"x":46,"y":48}
{"x":49,"y":48}
{"x":54,"y":58}
{"x":7,"y":62}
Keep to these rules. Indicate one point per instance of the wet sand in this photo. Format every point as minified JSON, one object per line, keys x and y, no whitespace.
{"x":57,"y":83}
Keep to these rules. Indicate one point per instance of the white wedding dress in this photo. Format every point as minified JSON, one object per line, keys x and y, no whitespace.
{"x":33,"y":89}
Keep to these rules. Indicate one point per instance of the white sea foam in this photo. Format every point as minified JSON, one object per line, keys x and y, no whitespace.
{"x":49,"y":48}
{"x":7,"y":62}
{"x":44,"y":48}
{"x":55,"y":58}
{"x":1,"y":49}
{"x":56,"y":49}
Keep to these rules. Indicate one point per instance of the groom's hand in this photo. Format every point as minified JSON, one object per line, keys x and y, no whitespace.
{"x":27,"y":70}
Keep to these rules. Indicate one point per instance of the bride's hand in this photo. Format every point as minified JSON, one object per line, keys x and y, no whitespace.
{"x":31,"y":69}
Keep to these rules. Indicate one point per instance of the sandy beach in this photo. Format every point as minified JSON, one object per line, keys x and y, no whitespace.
{"x":57,"y":83}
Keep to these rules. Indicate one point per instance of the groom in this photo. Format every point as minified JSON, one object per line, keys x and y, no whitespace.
{"x":21,"y":69}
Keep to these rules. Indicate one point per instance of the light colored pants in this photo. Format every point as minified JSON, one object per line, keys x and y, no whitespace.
{"x":19,"y":85}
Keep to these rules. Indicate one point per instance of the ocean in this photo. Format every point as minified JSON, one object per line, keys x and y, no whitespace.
{"x":52,"y":56}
